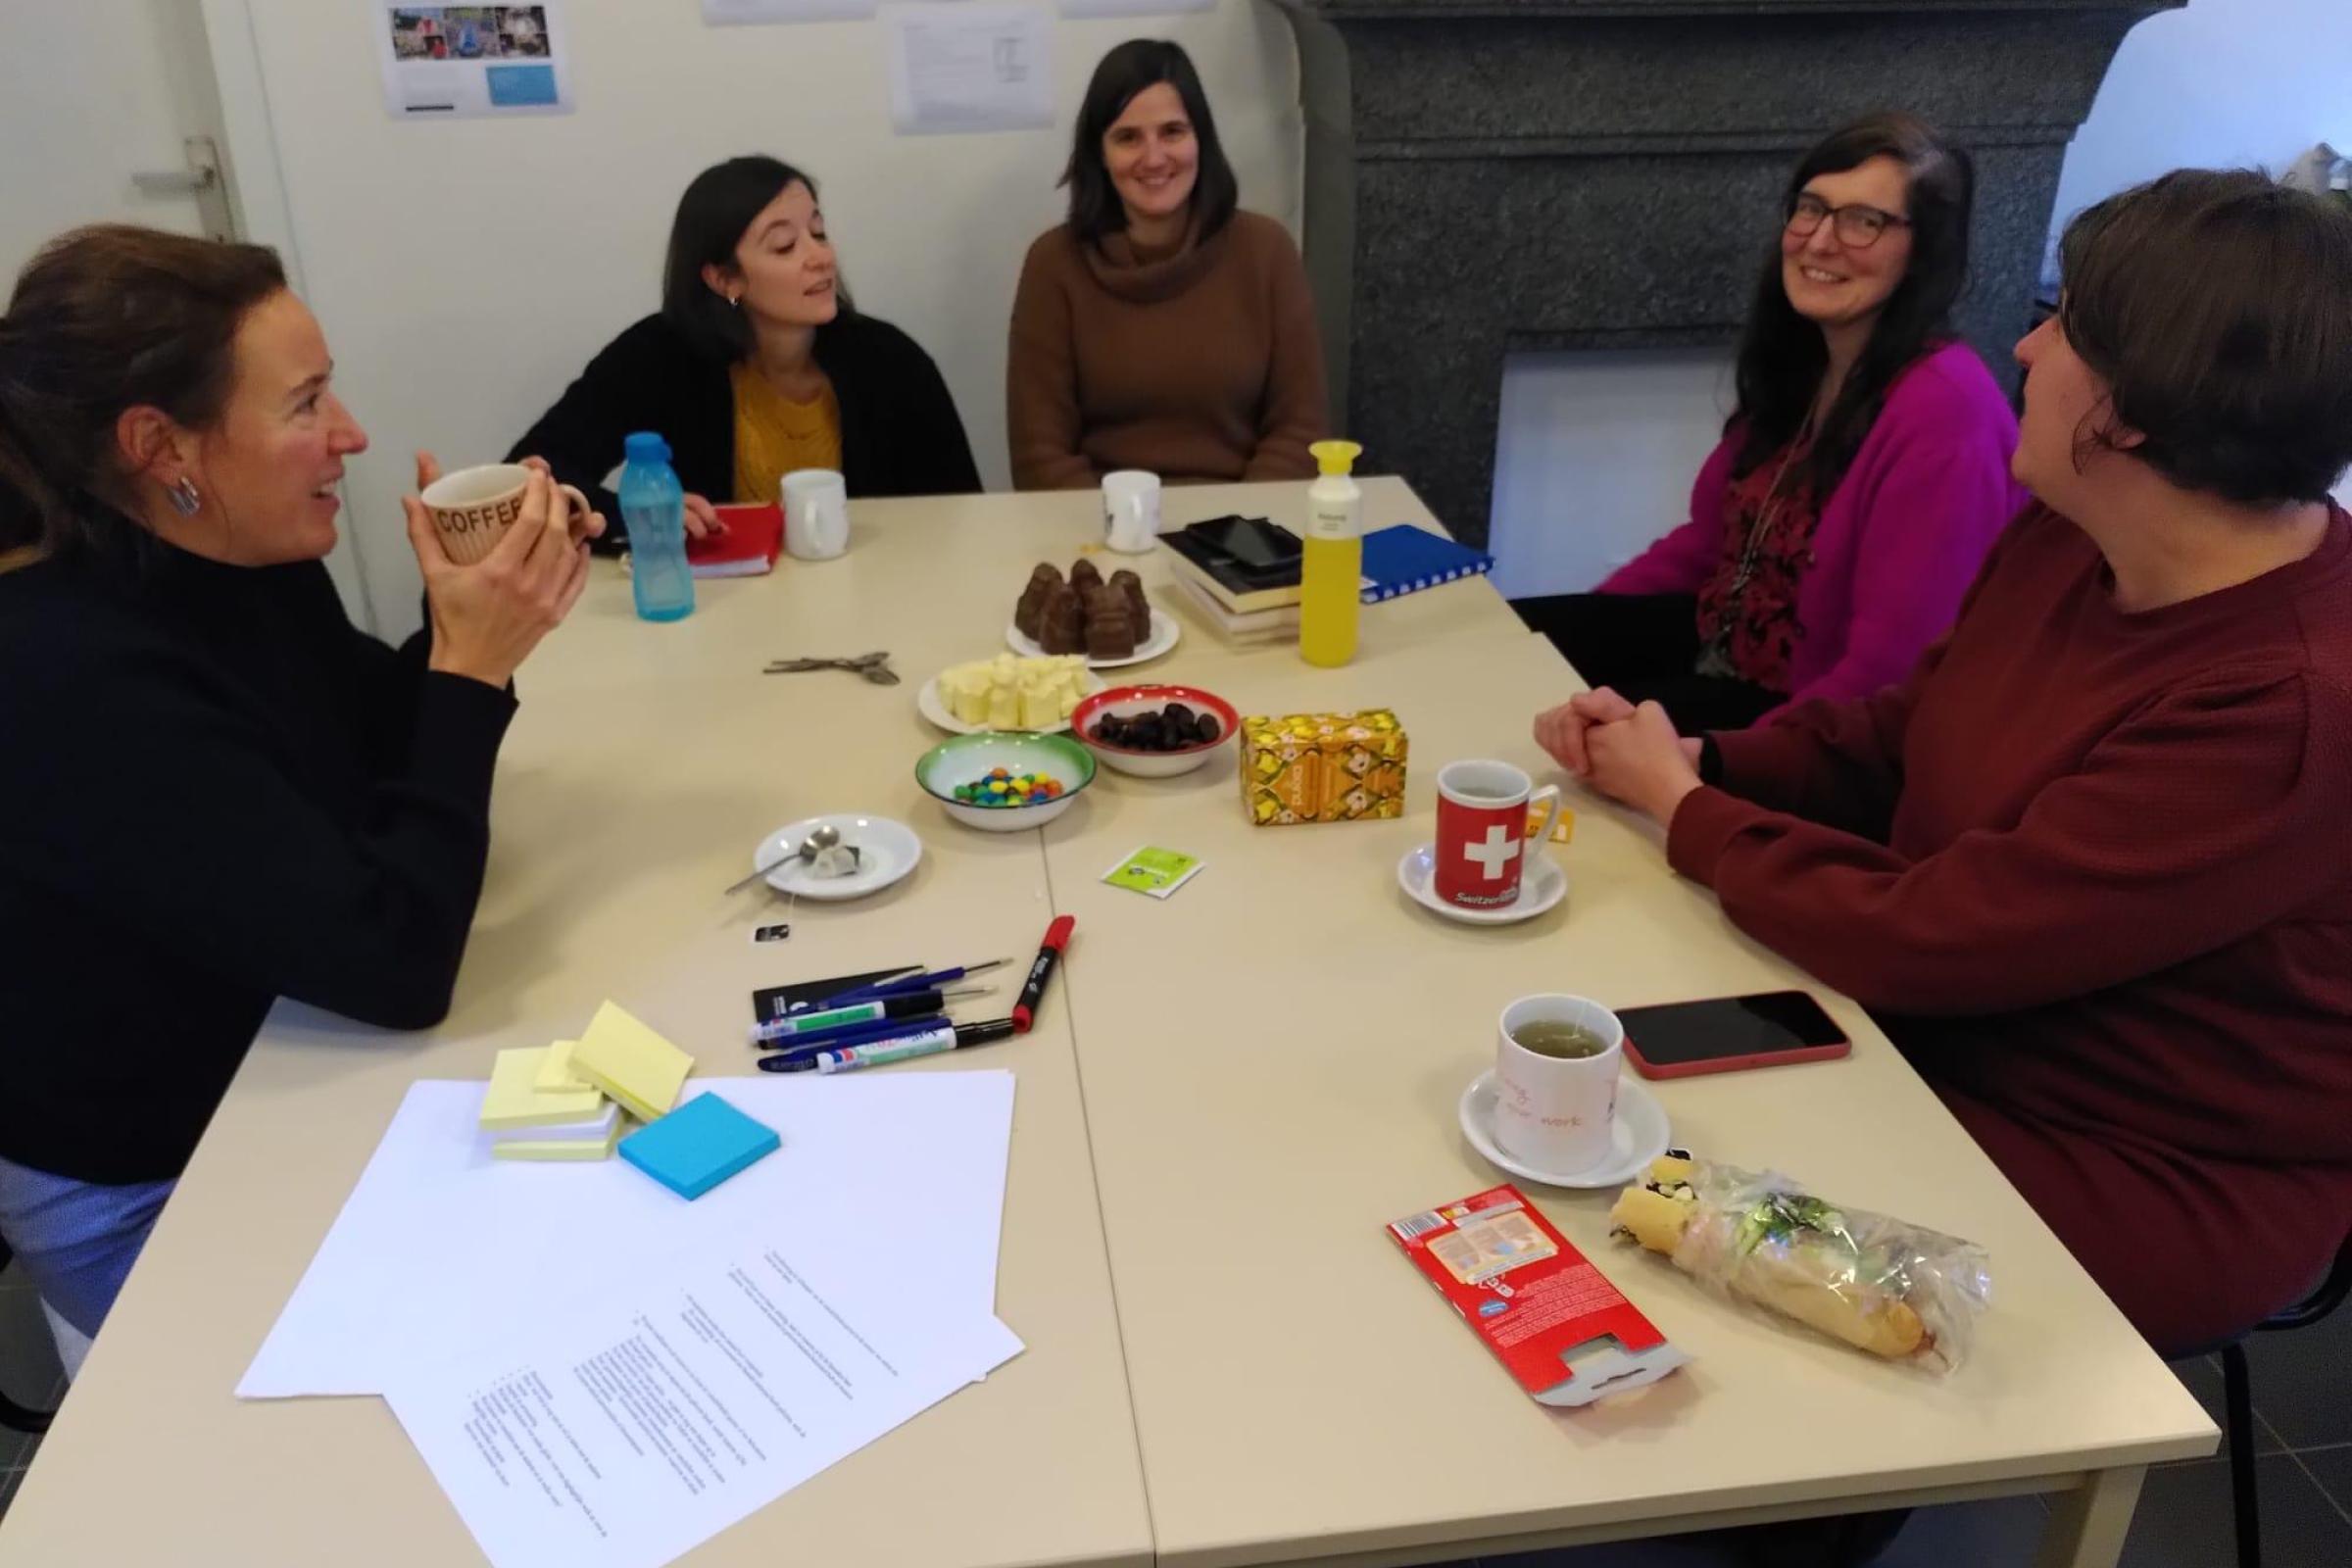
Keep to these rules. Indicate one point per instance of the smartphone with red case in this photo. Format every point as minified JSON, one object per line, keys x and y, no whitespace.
{"x":1726,"y":1034}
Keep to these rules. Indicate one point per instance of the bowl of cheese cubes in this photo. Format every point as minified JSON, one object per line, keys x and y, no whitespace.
{"x":1009,"y":693}
{"x":1004,"y":783}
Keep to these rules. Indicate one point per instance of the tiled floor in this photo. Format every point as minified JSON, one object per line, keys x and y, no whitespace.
{"x":2302,"y":1407}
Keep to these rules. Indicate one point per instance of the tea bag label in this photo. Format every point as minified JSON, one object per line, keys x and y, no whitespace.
{"x":1155,"y":873}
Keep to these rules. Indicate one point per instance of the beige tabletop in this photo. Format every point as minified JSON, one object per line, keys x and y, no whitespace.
{"x":1237,"y":1087}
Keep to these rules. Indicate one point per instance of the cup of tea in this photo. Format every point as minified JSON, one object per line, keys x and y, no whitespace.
{"x":816,"y":513}
{"x":1483,"y":832}
{"x":1131,"y":510}
{"x":472,"y":508}
{"x":1556,"y":1059}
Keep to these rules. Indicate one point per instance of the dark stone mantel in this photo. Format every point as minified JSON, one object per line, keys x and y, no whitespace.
{"x":1486,"y":176}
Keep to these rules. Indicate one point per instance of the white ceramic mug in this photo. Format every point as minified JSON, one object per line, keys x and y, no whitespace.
{"x":1131,"y":510}
{"x":816,"y":513}
{"x":1557,"y":1113}
{"x":472,"y":508}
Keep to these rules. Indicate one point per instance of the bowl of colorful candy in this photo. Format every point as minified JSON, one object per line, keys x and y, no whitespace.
{"x":1003,"y":783}
{"x":1155,"y":731}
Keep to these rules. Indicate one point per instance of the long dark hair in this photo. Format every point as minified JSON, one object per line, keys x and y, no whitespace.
{"x":720,"y":203}
{"x":103,"y":319}
{"x":1140,"y":63}
{"x":1783,"y":355}
{"x":2217,"y":306}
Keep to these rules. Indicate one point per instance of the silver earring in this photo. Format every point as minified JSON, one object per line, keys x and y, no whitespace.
{"x":185,"y":498}
{"x":734,"y":302}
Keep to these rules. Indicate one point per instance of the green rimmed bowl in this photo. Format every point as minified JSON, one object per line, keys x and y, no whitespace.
{"x":969,"y":758}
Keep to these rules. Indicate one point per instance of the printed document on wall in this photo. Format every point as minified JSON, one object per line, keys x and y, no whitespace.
{"x":472,"y":62}
{"x":970,"y":66}
{"x":1132,"y":8}
{"x":731,"y":13}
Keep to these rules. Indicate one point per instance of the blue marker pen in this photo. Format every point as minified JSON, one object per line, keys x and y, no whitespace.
{"x":928,"y":1043}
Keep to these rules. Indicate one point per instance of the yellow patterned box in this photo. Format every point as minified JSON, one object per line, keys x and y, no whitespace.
{"x":1323,"y":767}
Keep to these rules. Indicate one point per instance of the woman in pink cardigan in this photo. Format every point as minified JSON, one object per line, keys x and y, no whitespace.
{"x":1861,"y":480}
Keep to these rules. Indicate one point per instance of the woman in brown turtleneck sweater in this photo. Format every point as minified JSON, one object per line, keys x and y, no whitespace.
{"x":1159,"y":329}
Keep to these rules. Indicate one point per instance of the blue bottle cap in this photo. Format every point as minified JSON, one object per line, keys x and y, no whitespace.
{"x":645,"y":446}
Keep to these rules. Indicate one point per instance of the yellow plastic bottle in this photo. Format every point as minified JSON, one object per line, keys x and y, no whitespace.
{"x":1332,"y":564}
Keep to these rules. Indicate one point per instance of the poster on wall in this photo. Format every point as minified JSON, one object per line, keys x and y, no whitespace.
{"x":970,"y":66}
{"x":1132,"y":8}
{"x":469,"y":62}
{"x":735,"y":12}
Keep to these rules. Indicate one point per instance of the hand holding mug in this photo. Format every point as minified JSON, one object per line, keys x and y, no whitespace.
{"x":487,"y":616}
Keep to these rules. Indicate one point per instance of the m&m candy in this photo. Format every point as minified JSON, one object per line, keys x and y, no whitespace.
{"x":1004,"y":787}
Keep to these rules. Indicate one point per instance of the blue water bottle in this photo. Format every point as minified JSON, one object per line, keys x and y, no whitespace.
{"x":652,"y":507}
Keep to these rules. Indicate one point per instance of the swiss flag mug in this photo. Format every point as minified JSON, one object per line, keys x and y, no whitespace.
{"x":1482,"y":837}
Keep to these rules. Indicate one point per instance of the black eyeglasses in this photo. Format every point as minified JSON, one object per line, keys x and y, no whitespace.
{"x":1857,"y":226}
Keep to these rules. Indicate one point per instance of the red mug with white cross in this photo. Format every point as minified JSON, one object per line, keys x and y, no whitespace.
{"x":1483,"y":834}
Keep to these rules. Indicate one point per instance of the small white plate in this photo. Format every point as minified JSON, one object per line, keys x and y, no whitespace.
{"x":1542,"y":884}
{"x":1165,"y":631}
{"x":927,"y":703}
{"x":1638,"y":1135}
{"x":891,"y":851}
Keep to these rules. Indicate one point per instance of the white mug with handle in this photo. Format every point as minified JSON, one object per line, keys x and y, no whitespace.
{"x":816,"y":513}
{"x":1131,"y":510}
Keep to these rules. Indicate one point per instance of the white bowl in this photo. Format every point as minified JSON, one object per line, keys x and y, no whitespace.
{"x":970,"y":757}
{"x":1125,"y":702}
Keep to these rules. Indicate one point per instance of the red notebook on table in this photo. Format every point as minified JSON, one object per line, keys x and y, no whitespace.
{"x":755,"y":537}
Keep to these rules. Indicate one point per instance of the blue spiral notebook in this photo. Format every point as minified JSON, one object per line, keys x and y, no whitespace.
{"x":1404,"y":560}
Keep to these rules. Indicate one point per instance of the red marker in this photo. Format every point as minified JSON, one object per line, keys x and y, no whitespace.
{"x":1058,"y":937}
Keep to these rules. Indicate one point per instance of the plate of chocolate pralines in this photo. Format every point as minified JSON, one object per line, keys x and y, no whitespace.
{"x":1108,"y":620}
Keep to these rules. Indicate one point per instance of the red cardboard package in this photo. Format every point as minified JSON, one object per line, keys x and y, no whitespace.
{"x":1565,"y":1332}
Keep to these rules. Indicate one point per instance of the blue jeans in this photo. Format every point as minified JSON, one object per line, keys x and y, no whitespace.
{"x":77,"y":1240}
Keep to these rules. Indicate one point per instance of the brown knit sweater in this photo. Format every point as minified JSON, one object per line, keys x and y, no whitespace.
{"x":1205,"y":366}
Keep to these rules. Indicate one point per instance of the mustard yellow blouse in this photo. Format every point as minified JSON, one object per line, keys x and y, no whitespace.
{"x":774,"y":435}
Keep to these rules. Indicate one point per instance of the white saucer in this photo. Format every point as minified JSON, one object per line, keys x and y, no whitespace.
{"x":891,"y":851}
{"x":1165,"y":631}
{"x":927,"y":703}
{"x":1542,"y":884}
{"x":1638,"y":1136}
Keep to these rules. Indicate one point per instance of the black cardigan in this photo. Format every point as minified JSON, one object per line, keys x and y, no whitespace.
{"x":214,"y":792}
{"x":900,"y":434}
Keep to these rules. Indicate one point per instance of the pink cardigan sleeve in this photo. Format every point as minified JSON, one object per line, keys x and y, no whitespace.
{"x":1680,"y":563}
{"x":1937,"y":495}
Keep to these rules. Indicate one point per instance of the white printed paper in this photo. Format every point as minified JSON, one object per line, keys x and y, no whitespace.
{"x":470,"y":62}
{"x":631,"y":1427}
{"x":1133,"y":8}
{"x":440,"y":1244}
{"x":971,"y":68}
{"x":731,"y":13}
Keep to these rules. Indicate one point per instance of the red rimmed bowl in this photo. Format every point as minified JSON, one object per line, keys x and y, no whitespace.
{"x":1130,"y":702}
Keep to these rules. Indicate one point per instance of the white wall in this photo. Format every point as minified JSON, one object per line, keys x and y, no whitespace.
{"x":2221,"y":83}
{"x":464,"y":270}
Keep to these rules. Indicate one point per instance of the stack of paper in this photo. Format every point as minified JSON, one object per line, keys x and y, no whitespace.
{"x":531,"y":1121}
{"x":493,"y":1302}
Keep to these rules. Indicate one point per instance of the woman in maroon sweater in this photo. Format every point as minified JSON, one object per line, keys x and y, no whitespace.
{"x":2092,"y":863}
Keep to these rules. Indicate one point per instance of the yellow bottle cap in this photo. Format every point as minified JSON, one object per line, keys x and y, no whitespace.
{"x":1336,"y":456}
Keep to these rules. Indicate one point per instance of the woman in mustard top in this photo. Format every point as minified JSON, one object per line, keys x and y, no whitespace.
{"x":758,"y":364}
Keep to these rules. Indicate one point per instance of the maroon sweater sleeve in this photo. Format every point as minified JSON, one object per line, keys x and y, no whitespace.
{"x":2211,"y":814}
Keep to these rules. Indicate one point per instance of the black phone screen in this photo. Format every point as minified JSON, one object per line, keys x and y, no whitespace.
{"x":1680,"y":1032}
{"x":1252,"y":541}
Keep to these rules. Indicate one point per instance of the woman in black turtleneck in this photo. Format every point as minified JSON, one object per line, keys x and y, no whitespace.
{"x":215,"y":791}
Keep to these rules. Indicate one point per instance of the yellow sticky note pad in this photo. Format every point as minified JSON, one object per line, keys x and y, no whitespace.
{"x":555,"y":1070}
{"x":630,"y":1062}
{"x":516,"y":1100}
{"x":559,"y":1148}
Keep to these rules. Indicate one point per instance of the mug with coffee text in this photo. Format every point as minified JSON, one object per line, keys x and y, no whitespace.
{"x":1483,"y":832}
{"x":1556,"y":1059}
{"x":472,"y":508}
{"x":1131,"y":510}
{"x":816,"y":513}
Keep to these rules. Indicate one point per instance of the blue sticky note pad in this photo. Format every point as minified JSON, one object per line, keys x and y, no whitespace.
{"x":697,"y":1146}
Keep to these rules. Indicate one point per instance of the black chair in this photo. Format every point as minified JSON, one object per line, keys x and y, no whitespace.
{"x":19,"y":1417}
{"x":2237,"y":1399}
